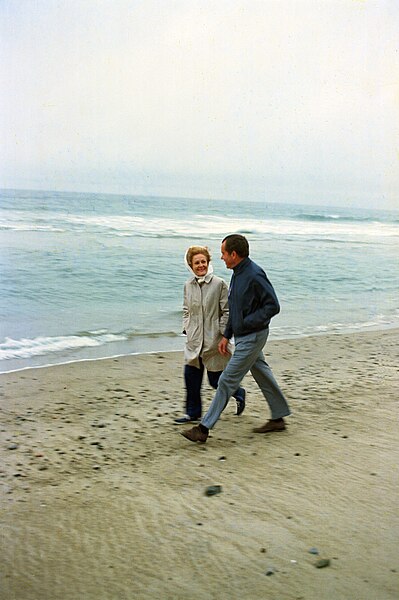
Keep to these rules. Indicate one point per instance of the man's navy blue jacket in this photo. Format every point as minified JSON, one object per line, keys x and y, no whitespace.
{"x":252,"y":300}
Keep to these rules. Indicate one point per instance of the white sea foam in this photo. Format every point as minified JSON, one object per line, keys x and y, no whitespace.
{"x":198,"y":225}
{"x":205,"y":225}
{"x":27,"y":226}
{"x":27,"y":348}
{"x":380,"y":322}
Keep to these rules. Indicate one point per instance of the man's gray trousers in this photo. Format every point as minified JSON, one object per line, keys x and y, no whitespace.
{"x":247,"y":356}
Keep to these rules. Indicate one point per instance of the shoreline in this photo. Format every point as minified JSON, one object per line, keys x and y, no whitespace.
{"x":271,"y":339}
{"x":102,"y":497}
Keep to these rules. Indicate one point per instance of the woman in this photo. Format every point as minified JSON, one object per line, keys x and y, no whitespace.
{"x":205,"y":314}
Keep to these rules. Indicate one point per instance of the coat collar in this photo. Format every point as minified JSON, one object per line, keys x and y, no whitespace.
{"x":241,"y":266}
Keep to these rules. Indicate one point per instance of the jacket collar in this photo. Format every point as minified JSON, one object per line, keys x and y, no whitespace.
{"x":241,"y":266}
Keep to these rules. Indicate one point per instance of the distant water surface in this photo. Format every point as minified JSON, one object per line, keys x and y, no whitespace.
{"x":95,"y":275}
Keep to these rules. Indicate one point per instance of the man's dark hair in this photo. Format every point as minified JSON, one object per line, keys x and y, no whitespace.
{"x":238,"y":243}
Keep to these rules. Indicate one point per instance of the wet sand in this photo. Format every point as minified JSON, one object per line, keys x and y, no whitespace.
{"x":101,"y":498}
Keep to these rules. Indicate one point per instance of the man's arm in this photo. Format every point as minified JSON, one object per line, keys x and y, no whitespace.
{"x":266,"y":303}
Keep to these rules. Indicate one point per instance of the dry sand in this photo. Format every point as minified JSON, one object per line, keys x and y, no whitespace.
{"x":101,"y":498}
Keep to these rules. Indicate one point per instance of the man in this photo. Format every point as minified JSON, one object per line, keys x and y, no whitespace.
{"x":252,"y":304}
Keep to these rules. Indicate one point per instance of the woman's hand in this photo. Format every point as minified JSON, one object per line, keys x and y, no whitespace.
{"x":223,"y":346}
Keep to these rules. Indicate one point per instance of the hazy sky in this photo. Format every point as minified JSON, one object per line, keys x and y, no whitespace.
{"x":287,"y":100}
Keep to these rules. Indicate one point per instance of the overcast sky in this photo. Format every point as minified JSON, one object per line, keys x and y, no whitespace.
{"x":287,"y":100}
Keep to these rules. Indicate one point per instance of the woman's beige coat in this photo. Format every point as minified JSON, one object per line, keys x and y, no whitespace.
{"x":205,"y":314}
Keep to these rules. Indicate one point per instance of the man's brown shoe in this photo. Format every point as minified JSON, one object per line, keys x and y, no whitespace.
{"x":195,"y":434}
{"x":277,"y":425}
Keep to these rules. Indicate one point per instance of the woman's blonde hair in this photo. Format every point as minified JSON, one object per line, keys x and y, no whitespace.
{"x":193,"y":250}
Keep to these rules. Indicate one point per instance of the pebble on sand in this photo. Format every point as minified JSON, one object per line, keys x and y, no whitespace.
{"x":211,"y":490}
{"x":323,"y":562}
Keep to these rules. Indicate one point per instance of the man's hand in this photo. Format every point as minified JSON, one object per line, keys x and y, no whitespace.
{"x":223,"y":346}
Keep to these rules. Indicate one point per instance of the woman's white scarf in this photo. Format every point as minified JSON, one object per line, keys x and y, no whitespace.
{"x":206,"y":278}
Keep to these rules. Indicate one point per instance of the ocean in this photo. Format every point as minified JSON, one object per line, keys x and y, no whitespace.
{"x":87,"y":276}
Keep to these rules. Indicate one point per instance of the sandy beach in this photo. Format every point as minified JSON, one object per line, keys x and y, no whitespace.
{"x":101,"y":498}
